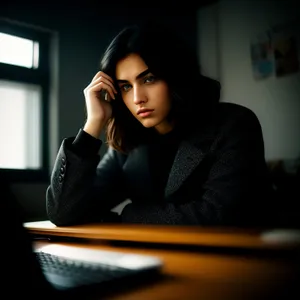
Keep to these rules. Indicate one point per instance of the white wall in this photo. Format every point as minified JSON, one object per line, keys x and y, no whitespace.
{"x":231,"y":25}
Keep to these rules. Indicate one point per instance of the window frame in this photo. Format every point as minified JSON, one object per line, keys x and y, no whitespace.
{"x":39,"y":76}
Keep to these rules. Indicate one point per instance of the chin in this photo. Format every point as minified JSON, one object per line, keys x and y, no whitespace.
{"x":149,"y":123}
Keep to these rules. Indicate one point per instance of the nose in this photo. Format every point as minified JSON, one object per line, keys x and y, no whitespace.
{"x":139,"y":95}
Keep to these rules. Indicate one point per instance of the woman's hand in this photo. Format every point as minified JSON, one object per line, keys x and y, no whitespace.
{"x":98,"y":95}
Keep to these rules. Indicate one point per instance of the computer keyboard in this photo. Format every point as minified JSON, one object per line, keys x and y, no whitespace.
{"x":67,"y":273}
{"x":67,"y":267}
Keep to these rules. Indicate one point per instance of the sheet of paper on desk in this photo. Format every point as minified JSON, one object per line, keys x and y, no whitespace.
{"x":40,"y":224}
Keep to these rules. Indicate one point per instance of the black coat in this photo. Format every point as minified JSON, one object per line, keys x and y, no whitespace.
{"x":219,"y":177}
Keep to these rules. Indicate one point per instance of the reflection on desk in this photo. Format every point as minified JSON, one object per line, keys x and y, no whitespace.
{"x":174,"y":235}
{"x":199,"y":263}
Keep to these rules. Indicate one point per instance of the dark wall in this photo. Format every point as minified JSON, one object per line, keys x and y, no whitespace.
{"x":83,"y":31}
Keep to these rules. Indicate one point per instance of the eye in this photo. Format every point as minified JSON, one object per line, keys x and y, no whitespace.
{"x":125,"y":87}
{"x":149,"y":79}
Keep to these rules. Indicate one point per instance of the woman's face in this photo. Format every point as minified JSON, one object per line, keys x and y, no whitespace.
{"x":146,"y":96}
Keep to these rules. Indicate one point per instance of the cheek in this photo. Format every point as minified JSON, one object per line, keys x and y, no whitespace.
{"x":130,"y":106}
{"x":127,"y":101}
{"x":164,"y":99}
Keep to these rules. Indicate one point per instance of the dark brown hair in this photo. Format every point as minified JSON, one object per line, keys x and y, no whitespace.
{"x":168,"y":58}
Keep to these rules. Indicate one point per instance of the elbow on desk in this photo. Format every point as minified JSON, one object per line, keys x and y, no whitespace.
{"x":61,"y":213}
{"x":54,"y":212}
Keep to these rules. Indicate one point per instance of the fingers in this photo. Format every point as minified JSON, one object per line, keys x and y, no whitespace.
{"x":104,"y":76}
{"x":103,"y":87}
{"x":100,"y":73}
{"x":106,"y":81}
{"x":102,"y":81}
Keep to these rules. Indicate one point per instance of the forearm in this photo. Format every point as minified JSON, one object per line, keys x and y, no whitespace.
{"x":81,"y":188}
{"x":94,"y":127}
{"x":71,"y":186}
{"x":168,"y":214}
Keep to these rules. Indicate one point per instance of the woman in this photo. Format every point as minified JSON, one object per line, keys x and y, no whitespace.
{"x":180,"y":155}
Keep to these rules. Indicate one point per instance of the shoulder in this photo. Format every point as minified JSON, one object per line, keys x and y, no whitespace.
{"x":236,"y":118}
{"x":234,"y":111}
{"x":231,"y":125}
{"x":238,"y":127}
{"x":228,"y":117}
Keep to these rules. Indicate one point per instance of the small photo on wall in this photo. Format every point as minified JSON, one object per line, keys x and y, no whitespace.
{"x":262,"y":59}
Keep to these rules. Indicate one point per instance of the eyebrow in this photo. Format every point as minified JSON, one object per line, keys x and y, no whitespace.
{"x":141,"y":75}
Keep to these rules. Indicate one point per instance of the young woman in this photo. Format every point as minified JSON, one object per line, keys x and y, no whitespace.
{"x":179,"y":154}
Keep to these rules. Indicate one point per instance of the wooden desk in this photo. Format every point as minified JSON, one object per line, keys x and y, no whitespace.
{"x":198,"y":263}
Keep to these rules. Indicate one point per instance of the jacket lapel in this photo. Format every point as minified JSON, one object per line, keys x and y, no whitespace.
{"x":190,"y":153}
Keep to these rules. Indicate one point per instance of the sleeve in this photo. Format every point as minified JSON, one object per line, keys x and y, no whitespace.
{"x":86,"y":145}
{"x":235,"y":191}
{"x":82,"y":187}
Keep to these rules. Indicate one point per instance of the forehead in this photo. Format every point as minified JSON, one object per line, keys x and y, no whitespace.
{"x":129,"y":67}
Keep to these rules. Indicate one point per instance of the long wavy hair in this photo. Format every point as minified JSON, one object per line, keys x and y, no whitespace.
{"x":169,"y":58}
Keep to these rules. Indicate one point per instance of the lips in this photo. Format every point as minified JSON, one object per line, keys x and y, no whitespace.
{"x":144,"y":110}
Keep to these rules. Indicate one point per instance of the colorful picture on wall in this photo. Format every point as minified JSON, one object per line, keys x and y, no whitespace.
{"x":262,"y":59}
{"x":276,"y":51}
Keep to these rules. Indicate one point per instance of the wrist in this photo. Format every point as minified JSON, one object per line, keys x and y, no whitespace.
{"x":94,"y":127}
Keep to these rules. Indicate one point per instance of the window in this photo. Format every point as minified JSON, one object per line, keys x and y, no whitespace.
{"x":19,"y":51}
{"x":24,"y":93}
